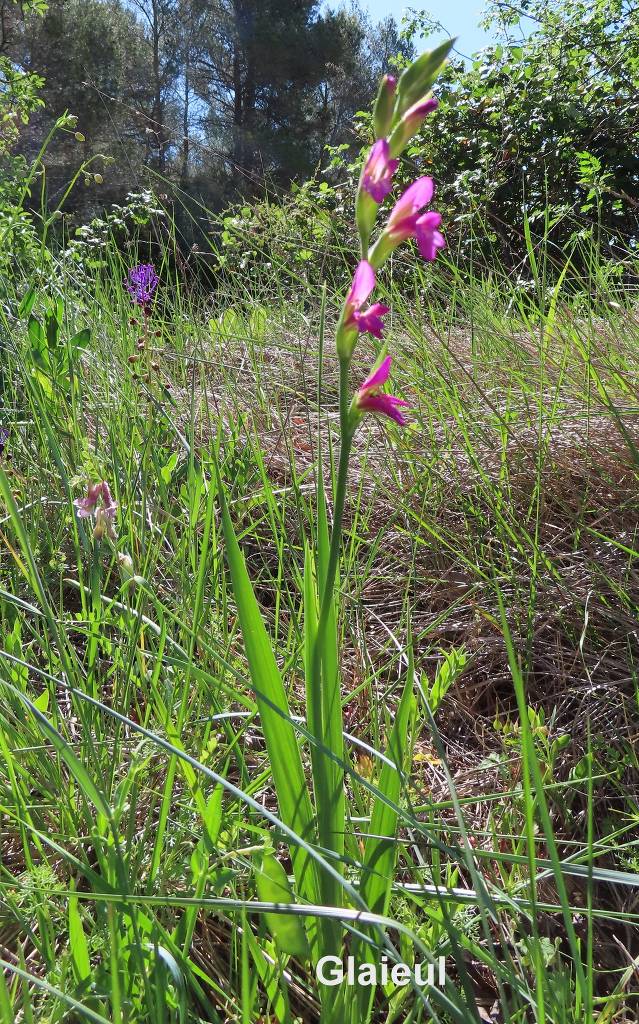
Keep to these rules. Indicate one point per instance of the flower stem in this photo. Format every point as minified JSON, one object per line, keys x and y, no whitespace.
{"x":346,"y":441}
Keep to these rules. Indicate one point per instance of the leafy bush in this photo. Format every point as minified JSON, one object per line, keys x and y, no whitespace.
{"x":531,"y":142}
{"x":19,"y":98}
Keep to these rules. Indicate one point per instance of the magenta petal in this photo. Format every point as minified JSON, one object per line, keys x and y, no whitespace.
{"x":377,"y":377}
{"x":378,"y":174}
{"x":362,"y":286}
{"x":386,"y":405}
{"x":370,"y":320}
{"x":377,"y":309}
{"x":421,"y":109}
{"x":377,"y":190}
{"x":429,"y":244}
{"x":378,"y":157}
{"x":416,"y":196}
{"x":429,"y":239}
{"x":430,"y":220}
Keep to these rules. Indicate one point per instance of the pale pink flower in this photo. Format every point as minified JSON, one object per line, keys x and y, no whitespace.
{"x":370,"y":398}
{"x":99,"y":503}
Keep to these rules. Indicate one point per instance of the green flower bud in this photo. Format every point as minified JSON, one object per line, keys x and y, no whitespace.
{"x":365,"y":214}
{"x":127,"y":569}
{"x":384,"y":107}
{"x":418,"y":78}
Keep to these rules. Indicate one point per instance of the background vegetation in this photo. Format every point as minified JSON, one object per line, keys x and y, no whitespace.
{"x":488,"y":571}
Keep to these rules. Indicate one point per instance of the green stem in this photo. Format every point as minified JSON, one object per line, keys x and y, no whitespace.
{"x":346,"y":441}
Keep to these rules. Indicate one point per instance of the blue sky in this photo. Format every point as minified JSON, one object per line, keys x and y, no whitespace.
{"x":459,"y":17}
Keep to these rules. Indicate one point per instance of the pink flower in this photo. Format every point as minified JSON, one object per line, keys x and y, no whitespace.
{"x":407,"y":221}
{"x":370,"y":399}
{"x":405,"y":213}
{"x":429,"y":239}
{"x":369,"y":319}
{"x":377,"y":178}
{"x":99,"y":503}
{"x":86,"y":506}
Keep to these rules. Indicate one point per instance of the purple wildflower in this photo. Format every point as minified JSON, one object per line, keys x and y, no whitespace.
{"x":405,"y":220}
{"x":369,"y":398}
{"x":99,"y":503}
{"x":379,"y":169}
{"x":354,"y":316}
{"x":141,"y":284}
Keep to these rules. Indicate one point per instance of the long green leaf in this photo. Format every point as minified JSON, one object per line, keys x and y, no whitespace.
{"x":279,"y":734}
{"x":380,"y":850}
{"x":331,"y":697}
{"x":273,"y":887}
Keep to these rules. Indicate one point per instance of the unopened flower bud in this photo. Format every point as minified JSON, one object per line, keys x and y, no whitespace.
{"x":365,"y":213}
{"x":410,"y":124}
{"x":103,"y":525}
{"x":133,"y":359}
{"x":79,"y":137}
{"x":125,"y":563}
{"x":157,"y":334}
{"x":98,"y":179}
{"x":384,"y":107}
{"x":419,"y":76}
{"x":133,"y":322}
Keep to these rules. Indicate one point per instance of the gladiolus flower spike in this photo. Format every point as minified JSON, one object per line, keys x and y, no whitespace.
{"x":370,"y":398}
{"x":141,"y":284}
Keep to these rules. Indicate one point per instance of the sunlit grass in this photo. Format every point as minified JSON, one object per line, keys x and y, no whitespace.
{"x":489,"y":549}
